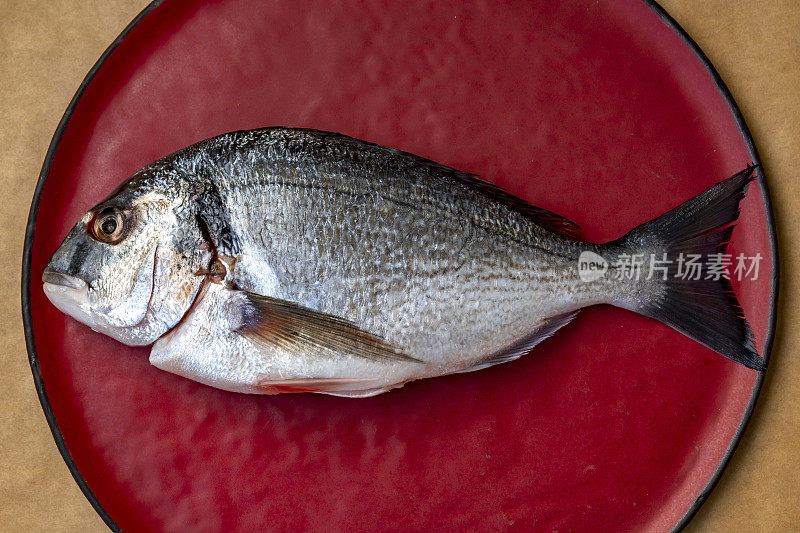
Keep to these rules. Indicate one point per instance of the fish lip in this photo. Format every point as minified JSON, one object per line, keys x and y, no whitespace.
{"x":69,"y":294}
{"x":59,"y":281}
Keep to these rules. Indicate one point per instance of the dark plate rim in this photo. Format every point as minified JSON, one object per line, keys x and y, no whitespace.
{"x":29,"y":234}
{"x":773,"y":238}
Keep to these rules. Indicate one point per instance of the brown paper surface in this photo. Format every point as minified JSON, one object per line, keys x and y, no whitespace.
{"x":47,"y":48}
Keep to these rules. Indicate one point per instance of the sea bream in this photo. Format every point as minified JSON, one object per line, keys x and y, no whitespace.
{"x":288,"y":260}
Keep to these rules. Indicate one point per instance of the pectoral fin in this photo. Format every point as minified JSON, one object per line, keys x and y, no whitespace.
{"x":292,"y":327}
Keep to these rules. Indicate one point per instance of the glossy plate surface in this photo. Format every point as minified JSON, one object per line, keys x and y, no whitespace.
{"x":600,"y":111}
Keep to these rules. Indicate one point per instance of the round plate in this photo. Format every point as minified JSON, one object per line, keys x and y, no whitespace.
{"x":603,"y":111}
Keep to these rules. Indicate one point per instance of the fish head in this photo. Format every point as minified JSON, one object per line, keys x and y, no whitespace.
{"x":128,"y":268}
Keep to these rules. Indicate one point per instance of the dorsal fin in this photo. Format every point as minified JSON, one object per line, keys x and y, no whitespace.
{"x":541,"y":217}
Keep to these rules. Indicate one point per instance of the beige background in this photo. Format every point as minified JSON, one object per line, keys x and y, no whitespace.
{"x":47,"y":48}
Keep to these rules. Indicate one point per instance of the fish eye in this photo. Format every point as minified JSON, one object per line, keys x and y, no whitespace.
{"x":109,"y":226}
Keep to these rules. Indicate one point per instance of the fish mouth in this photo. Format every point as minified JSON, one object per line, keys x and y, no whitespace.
{"x":56,"y":281}
{"x":69,"y":294}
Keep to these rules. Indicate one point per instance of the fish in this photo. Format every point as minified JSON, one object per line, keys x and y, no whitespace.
{"x":292,"y":260}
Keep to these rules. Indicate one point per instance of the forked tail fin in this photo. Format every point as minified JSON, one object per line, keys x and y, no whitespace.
{"x":699,"y":305}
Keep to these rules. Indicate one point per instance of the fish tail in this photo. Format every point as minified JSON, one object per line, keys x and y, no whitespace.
{"x":696,"y":300}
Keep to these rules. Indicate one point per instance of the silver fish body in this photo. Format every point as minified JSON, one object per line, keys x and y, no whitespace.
{"x":283,"y":260}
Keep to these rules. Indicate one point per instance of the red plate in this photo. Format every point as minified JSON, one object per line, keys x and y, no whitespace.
{"x":602,"y":111}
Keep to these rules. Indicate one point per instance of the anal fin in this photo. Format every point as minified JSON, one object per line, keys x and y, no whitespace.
{"x":524,"y":345}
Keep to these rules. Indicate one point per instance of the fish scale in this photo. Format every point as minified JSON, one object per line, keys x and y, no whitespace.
{"x":459,"y":250}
